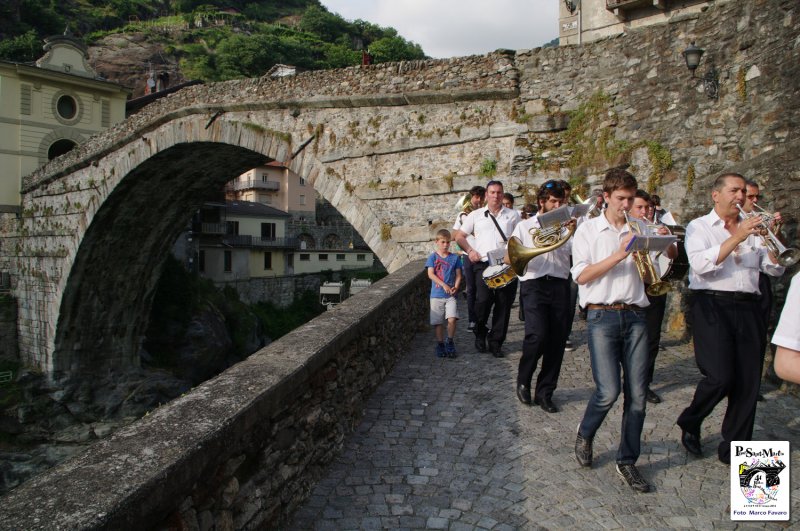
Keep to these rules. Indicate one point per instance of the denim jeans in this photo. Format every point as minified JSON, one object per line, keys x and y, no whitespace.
{"x":618,"y":340}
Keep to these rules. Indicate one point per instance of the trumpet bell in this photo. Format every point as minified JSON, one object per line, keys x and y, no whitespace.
{"x":519,"y":255}
{"x":658,"y":288}
{"x":789,"y":257}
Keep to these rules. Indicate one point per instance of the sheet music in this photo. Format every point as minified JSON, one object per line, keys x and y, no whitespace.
{"x":652,"y":243}
{"x":554,"y":217}
{"x":578,"y":211}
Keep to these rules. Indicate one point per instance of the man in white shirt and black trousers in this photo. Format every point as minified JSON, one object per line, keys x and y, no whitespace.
{"x":491,"y":226}
{"x":725,"y":257}
{"x":614,"y":296}
{"x":545,"y":294}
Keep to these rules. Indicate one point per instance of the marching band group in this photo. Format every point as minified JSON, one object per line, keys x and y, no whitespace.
{"x":622,"y":285}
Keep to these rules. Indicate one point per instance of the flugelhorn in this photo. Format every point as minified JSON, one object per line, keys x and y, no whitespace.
{"x":786,"y":256}
{"x":644,"y":264}
{"x":544,"y":241}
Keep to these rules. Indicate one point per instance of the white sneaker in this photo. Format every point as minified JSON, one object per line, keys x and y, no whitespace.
{"x":568,"y":346}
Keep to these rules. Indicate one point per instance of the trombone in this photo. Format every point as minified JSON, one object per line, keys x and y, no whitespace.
{"x":786,"y":256}
{"x":644,"y":264}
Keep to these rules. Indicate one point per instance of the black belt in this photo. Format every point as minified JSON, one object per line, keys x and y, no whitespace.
{"x":549,"y":277}
{"x":729,"y":295}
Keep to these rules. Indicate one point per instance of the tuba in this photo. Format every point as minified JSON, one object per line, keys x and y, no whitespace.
{"x":464,"y":205}
{"x":544,"y":241}
{"x":644,"y":264}
{"x":786,"y":256}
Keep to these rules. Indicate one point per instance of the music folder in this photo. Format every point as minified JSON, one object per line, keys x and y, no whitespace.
{"x":578,"y":211}
{"x":554,"y":217}
{"x":651,"y":243}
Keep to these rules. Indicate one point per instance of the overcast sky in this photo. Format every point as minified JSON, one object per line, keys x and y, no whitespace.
{"x":455,"y":28}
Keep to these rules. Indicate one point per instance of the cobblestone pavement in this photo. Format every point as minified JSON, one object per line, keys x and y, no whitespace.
{"x":445,"y":444}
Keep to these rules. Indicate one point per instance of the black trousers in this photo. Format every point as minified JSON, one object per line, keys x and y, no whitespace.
{"x":654,"y":315}
{"x":485,"y":298}
{"x":765,"y":287}
{"x":727,"y":339}
{"x":573,"y":301}
{"x":547,"y":309}
{"x":469,"y":281}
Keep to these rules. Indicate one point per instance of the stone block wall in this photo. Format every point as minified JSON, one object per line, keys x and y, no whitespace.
{"x":281,"y":291}
{"x":244,"y":449}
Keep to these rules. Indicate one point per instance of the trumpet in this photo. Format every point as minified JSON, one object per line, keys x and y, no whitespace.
{"x":644,"y":264}
{"x":544,"y":241}
{"x":786,"y":256}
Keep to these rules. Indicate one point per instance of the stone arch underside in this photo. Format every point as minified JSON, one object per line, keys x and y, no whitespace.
{"x":108,"y":295}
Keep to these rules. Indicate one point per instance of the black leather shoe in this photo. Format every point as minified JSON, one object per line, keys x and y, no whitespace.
{"x":691,"y":442}
{"x":546,"y":404}
{"x":480,"y":344}
{"x":760,"y":397}
{"x":524,"y":394}
{"x":497,"y":353}
{"x":725,"y":459}
{"x":652,"y":397}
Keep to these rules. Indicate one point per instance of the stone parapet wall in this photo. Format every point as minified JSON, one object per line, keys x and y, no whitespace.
{"x":280,"y":291}
{"x":243,"y":449}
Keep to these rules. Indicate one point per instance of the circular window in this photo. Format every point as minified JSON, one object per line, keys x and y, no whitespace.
{"x":67,"y":107}
{"x":60,"y":147}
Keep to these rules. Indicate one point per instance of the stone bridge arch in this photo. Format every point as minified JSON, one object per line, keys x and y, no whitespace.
{"x":95,"y":238}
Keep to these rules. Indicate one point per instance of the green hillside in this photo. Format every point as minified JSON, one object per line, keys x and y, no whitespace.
{"x":211,"y":40}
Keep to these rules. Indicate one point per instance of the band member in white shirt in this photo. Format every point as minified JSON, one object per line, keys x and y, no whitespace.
{"x":613,"y":293}
{"x":725,"y":257}
{"x":544,"y":292}
{"x":491,"y":226}
{"x":787,"y":336}
{"x":476,"y":194}
{"x":658,"y":303}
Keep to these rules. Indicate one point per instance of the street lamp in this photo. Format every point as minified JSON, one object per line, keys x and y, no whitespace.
{"x":710,"y":79}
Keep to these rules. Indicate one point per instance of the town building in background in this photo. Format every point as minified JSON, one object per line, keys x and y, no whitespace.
{"x":48,"y":107}
{"x":582,"y":21}
{"x":271,"y":224}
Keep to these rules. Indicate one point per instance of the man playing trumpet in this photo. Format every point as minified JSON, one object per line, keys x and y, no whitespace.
{"x":725,"y":257}
{"x":544,"y":292}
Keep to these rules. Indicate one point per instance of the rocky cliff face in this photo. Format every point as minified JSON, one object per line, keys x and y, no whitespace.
{"x":128,"y":59}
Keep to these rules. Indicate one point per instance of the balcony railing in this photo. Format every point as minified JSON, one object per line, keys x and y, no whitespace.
{"x":632,"y":4}
{"x":244,"y":240}
{"x":237,"y":186}
{"x":213,"y":228}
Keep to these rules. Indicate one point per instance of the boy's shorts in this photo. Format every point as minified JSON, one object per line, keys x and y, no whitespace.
{"x":442,"y":309}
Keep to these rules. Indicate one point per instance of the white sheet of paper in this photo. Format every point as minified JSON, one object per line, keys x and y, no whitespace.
{"x":554,"y":217}
{"x":578,"y":211}
{"x":652,"y":243}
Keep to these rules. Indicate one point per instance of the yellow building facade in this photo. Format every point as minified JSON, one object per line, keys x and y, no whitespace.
{"x":49,"y":107}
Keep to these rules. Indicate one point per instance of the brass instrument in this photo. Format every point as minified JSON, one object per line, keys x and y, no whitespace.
{"x":592,"y":199}
{"x":464,"y":205}
{"x":644,"y":264}
{"x":786,"y":256}
{"x":544,"y":241}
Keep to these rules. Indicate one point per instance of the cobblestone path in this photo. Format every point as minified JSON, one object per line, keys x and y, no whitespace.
{"x":445,"y":444}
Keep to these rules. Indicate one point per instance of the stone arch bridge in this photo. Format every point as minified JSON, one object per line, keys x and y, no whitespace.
{"x":393,"y":147}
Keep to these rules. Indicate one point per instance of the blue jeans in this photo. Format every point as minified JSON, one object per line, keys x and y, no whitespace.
{"x":618,"y":340}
